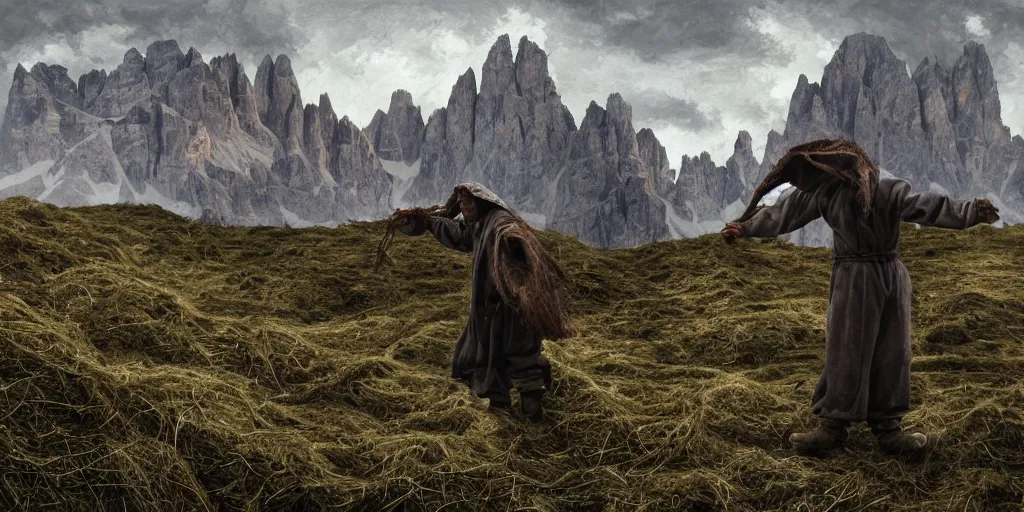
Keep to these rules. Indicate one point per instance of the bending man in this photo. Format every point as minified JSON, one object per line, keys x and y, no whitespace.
{"x":518,"y":298}
{"x":867,"y":347}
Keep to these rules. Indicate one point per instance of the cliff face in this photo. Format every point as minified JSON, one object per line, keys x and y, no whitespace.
{"x":511,"y":135}
{"x":194,"y":137}
{"x":602,"y":195}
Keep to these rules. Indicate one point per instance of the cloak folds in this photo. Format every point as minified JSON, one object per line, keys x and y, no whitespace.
{"x":867,"y":341}
{"x":518,"y":297}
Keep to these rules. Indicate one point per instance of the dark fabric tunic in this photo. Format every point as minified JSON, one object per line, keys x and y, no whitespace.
{"x":867,"y":348}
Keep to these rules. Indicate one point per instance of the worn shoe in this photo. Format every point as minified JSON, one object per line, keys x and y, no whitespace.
{"x":531,"y":405}
{"x":830,"y":435}
{"x":893,"y":442}
{"x":898,"y":444}
{"x":499,"y":407}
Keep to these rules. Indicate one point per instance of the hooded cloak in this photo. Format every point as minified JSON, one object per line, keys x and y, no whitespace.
{"x":518,"y":297}
{"x":867,"y":340}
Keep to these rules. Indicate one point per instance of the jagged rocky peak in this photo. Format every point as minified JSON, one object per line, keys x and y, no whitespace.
{"x":863,"y":50}
{"x":660,"y":175}
{"x":498,"y":71}
{"x":201,"y":93}
{"x":401,"y":99}
{"x":283,"y":67}
{"x":774,"y":148}
{"x":124,"y":88}
{"x":706,"y":188}
{"x":863,"y":79}
{"x":328,"y":120}
{"x":397,"y":135}
{"x":532,"y":75}
{"x":55,"y":78}
{"x":243,"y":97}
{"x":232,"y":70}
{"x":743,"y":144}
{"x":932,"y":79}
{"x":315,"y":145}
{"x":163,"y":60}
{"x":278,"y":98}
{"x":806,"y":119}
{"x":602,"y":196}
{"x":193,"y":57}
{"x":619,"y":108}
{"x":976,"y":94}
{"x":618,"y":116}
{"x":30,"y":130}
{"x":89,"y":87}
{"x":133,"y":59}
{"x":447,"y":144}
{"x":743,"y":150}
{"x":741,"y":165}
{"x":325,"y":107}
{"x":263,"y":85}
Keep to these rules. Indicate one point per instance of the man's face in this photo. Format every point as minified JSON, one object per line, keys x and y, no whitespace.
{"x":467,"y":204}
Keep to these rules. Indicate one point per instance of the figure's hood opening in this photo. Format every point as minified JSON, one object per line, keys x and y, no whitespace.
{"x":478,"y":191}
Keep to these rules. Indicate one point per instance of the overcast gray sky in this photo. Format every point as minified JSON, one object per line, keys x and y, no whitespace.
{"x":696,"y":72}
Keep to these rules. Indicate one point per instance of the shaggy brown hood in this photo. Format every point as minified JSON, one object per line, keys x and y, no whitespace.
{"x":838,"y":159}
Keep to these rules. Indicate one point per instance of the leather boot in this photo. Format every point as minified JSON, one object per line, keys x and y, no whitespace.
{"x":831,"y":434}
{"x":894,"y":442}
{"x":531,"y":404}
{"x":499,"y":404}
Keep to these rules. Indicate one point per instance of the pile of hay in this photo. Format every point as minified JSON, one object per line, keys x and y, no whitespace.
{"x":152,"y":363}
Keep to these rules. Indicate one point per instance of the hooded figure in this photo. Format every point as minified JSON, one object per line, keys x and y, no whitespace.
{"x":518,"y":298}
{"x":867,"y":348}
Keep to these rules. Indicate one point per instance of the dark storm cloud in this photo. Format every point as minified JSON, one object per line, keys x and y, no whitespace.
{"x":239,"y":25}
{"x":253,"y":25}
{"x":916,"y":29}
{"x":656,"y":29}
{"x":757,"y":113}
{"x":658,"y":107}
{"x":380,"y":19}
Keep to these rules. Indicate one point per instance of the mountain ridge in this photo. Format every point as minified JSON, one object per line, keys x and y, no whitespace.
{"x":202,"y":139}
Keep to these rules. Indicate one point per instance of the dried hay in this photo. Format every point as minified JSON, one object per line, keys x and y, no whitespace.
{"x":152,"y":363}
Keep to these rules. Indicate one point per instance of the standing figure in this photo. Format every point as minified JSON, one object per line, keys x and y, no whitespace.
{"x":867,"y":346}
{"x":518,"y":298}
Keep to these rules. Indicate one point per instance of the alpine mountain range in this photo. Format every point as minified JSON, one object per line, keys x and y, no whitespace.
{"x":202,"y":140}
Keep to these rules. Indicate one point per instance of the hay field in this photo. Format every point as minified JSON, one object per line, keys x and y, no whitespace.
{"x":152,"y":363}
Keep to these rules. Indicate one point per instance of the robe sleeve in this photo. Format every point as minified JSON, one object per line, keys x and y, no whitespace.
{"x":933,"y":209}
{"x":790,"y":213}
{"x":452,"y":234}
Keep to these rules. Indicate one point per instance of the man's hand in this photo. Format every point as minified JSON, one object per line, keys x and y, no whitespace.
{"x":732,"y":231}
{"x":987,"y":212}
{"x":412,"y":223}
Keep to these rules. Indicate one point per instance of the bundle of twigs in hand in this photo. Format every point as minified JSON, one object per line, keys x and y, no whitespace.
{"x":529,"y":279}
{"x":397,"y":218}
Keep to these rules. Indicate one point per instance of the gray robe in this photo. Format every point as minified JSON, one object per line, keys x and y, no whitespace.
{"x":496,"y":349}
{"x":867,"y":347}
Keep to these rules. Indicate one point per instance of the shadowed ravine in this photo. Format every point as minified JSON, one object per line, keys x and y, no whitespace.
{"x":152,"y":363}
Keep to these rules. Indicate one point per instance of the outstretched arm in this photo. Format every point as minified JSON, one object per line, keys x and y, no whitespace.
{"x":453,"y":234}
{"x":938,"y":210}
{"x":789,"y":214}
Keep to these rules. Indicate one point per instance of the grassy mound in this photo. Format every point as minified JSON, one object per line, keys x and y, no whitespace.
{"x":152,"y":363}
